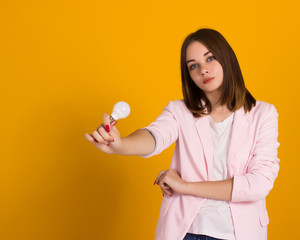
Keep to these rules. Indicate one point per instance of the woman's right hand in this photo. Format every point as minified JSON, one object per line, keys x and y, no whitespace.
{"x":106,"y":137}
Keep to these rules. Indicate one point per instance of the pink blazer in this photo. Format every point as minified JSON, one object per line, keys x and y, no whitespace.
{"x":252,"y":162}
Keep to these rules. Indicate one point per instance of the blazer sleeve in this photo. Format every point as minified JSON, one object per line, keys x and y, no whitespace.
{"x":263,"y":166}
{"x":164,"y":130}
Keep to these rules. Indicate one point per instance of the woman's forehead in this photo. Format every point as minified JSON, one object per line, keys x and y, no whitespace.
{"x":196,"y":49}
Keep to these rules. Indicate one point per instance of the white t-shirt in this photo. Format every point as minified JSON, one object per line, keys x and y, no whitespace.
{"x":214,"y":218}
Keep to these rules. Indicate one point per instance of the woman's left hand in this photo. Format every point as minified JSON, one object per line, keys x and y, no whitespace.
{"x":170,"y":181}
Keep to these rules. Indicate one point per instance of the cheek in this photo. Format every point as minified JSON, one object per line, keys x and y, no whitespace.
{"x":193,"y":75}
{"x":218,"y":71}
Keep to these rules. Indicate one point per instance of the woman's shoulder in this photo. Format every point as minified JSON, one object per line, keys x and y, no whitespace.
{"x":176,"y":101}
{"x":262,"y":108}
{"x":178,"y":108}
{"x":177,"y":104}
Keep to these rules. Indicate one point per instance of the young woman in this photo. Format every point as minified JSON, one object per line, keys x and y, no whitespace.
{"x":225,"y":160}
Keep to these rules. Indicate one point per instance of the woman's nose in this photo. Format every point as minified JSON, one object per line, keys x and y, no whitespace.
{"x":204,"y":71}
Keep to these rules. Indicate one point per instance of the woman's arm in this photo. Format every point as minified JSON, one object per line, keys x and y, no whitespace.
{"x":140,"y":142}
{"x":144,"y":142}
{"x":218,"y":190}
{"x":263,"y":167}
{"x":107,"y":138}
{"x":170,"y":181}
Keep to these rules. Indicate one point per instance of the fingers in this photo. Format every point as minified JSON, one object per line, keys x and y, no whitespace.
{"x":99,"y":138}
{"x":106,"y":122}
{"x":89,"y":137}
{"x":160,"y":182}
{"x":160,"y":174}
{"x":113,"y":124}
{"x":167,"y":190}
{"x":94,"y":139}
{"x":163,"y":189}
{"x":102,"y":134}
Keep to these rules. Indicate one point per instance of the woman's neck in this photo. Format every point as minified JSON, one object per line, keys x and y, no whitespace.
{"x":213,"y":98}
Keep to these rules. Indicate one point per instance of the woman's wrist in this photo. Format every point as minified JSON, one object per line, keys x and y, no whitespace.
{"x":186,"y":188}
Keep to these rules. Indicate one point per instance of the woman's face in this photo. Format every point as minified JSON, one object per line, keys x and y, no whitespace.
{"x":204,"y":69}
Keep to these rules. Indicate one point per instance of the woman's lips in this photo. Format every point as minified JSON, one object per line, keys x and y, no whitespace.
{"x":208,"y":80}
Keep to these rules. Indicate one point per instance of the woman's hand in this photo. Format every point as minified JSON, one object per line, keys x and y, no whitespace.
{"x":170,"y":182}
{"x":106,"y":137}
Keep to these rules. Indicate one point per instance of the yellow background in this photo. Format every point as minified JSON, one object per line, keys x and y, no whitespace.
{"x":63,"y":63}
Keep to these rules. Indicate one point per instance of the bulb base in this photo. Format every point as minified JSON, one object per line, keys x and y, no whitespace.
{"x":111,"y":119}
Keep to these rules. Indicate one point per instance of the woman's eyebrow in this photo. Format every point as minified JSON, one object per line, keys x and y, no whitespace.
{"x":206,"y":53}
{"x":194,"y":59}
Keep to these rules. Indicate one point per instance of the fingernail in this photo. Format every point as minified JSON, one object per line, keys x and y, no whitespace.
{"x":115,"y":123}
{"x":107,"y":128}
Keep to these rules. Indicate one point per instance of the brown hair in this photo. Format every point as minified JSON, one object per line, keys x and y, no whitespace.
{"x":234,"y":93}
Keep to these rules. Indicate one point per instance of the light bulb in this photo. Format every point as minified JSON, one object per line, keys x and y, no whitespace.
{"x":120,"y":110}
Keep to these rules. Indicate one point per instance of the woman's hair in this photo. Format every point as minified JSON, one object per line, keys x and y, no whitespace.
{"x":233,"y":91}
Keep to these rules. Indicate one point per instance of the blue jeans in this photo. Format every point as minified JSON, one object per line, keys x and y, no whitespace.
{"x":191,"y":236}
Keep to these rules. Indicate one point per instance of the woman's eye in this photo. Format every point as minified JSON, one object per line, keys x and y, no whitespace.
{"x":211,"y":58}
{"x":193,"y":66}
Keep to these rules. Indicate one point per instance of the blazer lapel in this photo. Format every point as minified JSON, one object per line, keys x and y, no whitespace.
{"x":203,"y":129}
{"x":238,"y":132}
